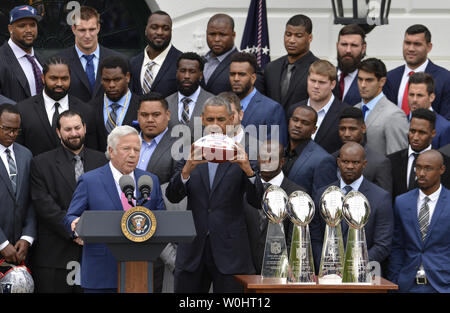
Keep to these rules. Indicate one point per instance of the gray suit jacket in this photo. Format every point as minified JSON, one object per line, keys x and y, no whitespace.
{"x":173,"y":107}
{"x":16,"y":211}
{"x":387,"y":127}
{"x":161,"y":163}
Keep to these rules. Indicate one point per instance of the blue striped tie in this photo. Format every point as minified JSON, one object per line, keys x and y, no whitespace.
{"x":12,"y":170}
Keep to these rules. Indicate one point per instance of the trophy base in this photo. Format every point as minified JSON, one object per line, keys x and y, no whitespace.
{"x":331,"y":279}
{"x":301,"y":283}
{"x":359,"y":284}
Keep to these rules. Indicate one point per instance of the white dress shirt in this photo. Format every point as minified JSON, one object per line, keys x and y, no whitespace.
{"x":277,"y":180}
{"x":411,"y":160}
{"x":193,"y":97}
{"x":321,"y":114}
{"x":434,"y":197}
{"x":405,"y":79}
{"x":50,"y":105}
{"x":159,"y":60}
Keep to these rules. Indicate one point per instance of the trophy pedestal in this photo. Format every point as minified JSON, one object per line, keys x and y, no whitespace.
{"x":356,"y":258}
{"x":275,"y":262}
{"x":332,"y":260}
{"x":301,"y":259}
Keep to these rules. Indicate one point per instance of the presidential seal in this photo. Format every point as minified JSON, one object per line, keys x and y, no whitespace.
{"x":138,"y":224}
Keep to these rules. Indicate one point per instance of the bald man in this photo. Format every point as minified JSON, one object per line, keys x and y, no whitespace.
{"x":420,"y":259}
{"x":379,"y":228}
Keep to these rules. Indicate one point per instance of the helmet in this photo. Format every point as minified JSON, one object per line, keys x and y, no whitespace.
{"x":15,"y":278}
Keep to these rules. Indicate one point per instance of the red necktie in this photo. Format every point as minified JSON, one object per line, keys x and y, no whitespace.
{"x":405,"y":106}
{"x":341,"y":85}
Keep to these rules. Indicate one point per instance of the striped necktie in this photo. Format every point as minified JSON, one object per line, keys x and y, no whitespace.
{"x":79,"y":170}
{"x":148,"y":78}
{"x":111,"y":122}
{"x":12,"y":170}
{"x":424,"y":218}
{"x":185,"y":113}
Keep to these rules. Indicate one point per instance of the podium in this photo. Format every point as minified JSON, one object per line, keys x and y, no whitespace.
{"x":135,"y":260}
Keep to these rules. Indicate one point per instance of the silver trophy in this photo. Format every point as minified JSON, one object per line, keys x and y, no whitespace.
{"x":332,"y":259}
{"x":301,"y":212}
{"x":275,"y":261}
{"x":356,"y":211}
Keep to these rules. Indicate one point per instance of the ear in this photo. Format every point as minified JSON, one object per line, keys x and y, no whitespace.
{"x":433,"y":133}
{"x":333,"y":84}
{"x":382,"y":81}
{"x":127,"y":76}
{"x":432,"y":96}
{"x":58,"y":133}
{"x":241,"y":115}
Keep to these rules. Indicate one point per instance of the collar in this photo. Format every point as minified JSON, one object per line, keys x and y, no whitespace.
{"x":116,"y":174}
{"x":277,"y":180}
{"x":326,"y":107}
{"x":247,"y":99}
{"x":419,"y":69}
{"x":18,"y":51}
{"x":220,"y":57}
{"x":433,"y":197}
{"x":159,"y":59}
{"x":372,"y":103}
{"x":121,"y":101}
{"x":411,"y":151}
{"x":96,"y":52}
{"x":69,"y":154}
{"x":352,"y":74}
{"x":355,"y":185}
{"x":157,"y":139}
{"x":49,"y":102}
{"x":193,"y":97}
{"x":3,"y":148}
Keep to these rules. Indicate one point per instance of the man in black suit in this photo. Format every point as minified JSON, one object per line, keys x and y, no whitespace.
{"x":420,"y":135}
{"x":118,"y":105}
{"x":353,"y":129}
{"x":86,"y":55}
{"x":154,"y":68}
{"x":285,"y":78}
{"x":321,"y":81}
{"x":53,"y":178}
{"x":20,"y":65}
{"x":39,"y":113}
{"x":220,"y":37}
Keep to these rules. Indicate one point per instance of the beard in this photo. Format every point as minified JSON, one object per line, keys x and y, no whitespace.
{"x":160,"y":47}
{"x":350,"y":66}
{"x":187,"y":91}
{"x":72,"y":146}
{"x":244,"y":92}
{"x":55,"y":95}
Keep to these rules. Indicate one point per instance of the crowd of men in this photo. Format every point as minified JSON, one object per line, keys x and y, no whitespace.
{"x":301,"y":124}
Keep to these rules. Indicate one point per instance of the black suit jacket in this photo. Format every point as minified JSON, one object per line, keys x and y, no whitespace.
{"x":102,"y":134}
{"x":220,"y":78}
{"x":37,"y":133}
{"x":13,"y":82}
{"x":79,"y":83}
{"x":165,"y":82}
{"x":298,"y":84}
{"x":327,"y":136}
{"x":399,"y":162}
{"x":52,"y":180}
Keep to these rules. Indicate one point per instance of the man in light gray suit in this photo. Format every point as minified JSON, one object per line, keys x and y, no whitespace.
{"x":18,"y":221}
{"x":187,"y":103}
{"x":387,"y":125}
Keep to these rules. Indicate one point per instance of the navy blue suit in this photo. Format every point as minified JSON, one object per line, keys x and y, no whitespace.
{"x":441,"y":103}
{"x":352,"y":96}
{"x":96,"y":190}
{"x":219,"y":81}
{"x":409,"y":250}
{"x":264,"y":111}
{"x":442,"y":137}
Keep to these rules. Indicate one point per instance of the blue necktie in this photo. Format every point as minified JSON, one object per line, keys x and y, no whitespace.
{"x":212,"y":168}
{"x":348,"y":189}
{"x":364,"y":110}
{"x":90,"y":70}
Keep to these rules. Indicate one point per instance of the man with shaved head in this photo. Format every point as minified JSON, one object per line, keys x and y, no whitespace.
{"x":379,"y":228}
{"x":420,"y":259}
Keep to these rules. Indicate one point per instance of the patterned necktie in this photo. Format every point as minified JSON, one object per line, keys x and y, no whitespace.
{"x":348,"y":189}
{"x":364,"y":110}
{"x":342,"y":85}
{"x":185,"y":113}
{"x":55,"y":115}
{"x":37,"y":73}
{"x":79,"y":170}
{"x":266,"y":185}
{"x":405,"y":106}
{"x":111,"y":122}
{"x":412,"y":173}
{"x":424,"y":217}
{"x":286,"y":80}
{"x":148,"y":78}
{"x":12,"y":170}
{"x":90,"y":70}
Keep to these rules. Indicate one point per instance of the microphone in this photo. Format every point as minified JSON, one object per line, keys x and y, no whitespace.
{"x":127,"y":186}
{"x":145,"y":185}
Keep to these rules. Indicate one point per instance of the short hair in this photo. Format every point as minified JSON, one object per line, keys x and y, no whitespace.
{"x":218,"y":101}
{"x":220,"y":16}
{"x":160,"y":12}
{"x":353,"y":29}
{"x":425,"y":114}
{"x":422,"y":78}
{"x":86,"y":13}
{"x":192,"y":56}
{"x":241,"y":57}
{"x":232,"y":98}
{"x":116,"y":134}
{"x":308,"y":108}
{"x":352,"y":112}
{"x":8,"y":107}
{"x":301,"y":20}
{"x":68,"y":113}
{"x":54,"y":60}
{"x":153,"y":96}
{"x":419,"y":29}
{"x":323,"y":67}
{"x":114,"y":61}
{"x":373,"y":66}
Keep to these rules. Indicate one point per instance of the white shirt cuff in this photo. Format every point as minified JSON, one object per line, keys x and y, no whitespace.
{"x":184,"y":180}
{"x":28,"y":238}
{"x":4,"y":244}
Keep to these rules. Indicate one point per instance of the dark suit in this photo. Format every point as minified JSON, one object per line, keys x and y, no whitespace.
{"x":13,"y":82}
{"x":409,"y":250}
{"x":442,"y":132}
{"x":219,"y":81}
{"x":52,"y":180}
{"x":165,"y":82}
{"x":37,"y":133}
{"x":297,"y":90}
{"x":102,"y":134}
{"x":262,"y":110}
{"x":98,"y":265}
{"x":327,"y":135}
{"x":219,"y":220}
{"x":399,"y":162}
{"x":445,"y":150}
{"x":16,"y":211}
{"x":441,"y":103}
{"x":3,"y":99}
{"x":79,"y":83}
{"x":352,"y":97}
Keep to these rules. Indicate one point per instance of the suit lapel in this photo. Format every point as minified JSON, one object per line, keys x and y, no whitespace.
{"x":376,"y":113}
{"x":77,"y":69}
{"x":109,"y":185}
{"x":131,"y":111}
{"x":21,"y":175}
{"x":17,"y":69}
{"x":160,"y":150}
{"x":5,"y":177}
{"x":204,"y":174}
{"x":219,"y":69}
{"x":65,"y":169}
{"x":251,"y":108}
{"x":168,"y":62}
{"x":221,"y":170}
{"x":39,"y":107}
{"x":302,"y":159}
{"x":440,"y":207}
{"x":330,"y":117}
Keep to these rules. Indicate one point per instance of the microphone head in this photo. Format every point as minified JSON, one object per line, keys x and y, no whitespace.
{"x":145,"y":181}
{"x":126,"y":182}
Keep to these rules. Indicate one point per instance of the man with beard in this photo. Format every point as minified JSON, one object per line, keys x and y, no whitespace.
{"x":20,"y":65}
{"x":39,"y":113}
{"x":154,"y":68}
{"x":187,"y":104}
{"x":85,"y":56}
{"x":351,"y":49}
{"x":259,"y":110}
{"x":54,"y":176}
{"x":117,"y":106}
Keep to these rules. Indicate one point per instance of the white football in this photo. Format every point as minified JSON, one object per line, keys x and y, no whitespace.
{"x":217,"y":148}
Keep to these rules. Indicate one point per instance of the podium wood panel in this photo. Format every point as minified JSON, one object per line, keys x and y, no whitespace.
{"x":257,"y":284}
{"x":135,"y":277}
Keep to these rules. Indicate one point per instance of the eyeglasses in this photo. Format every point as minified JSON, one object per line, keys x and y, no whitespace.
{"x":9,"y":130}
{"x":426,"y":169}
